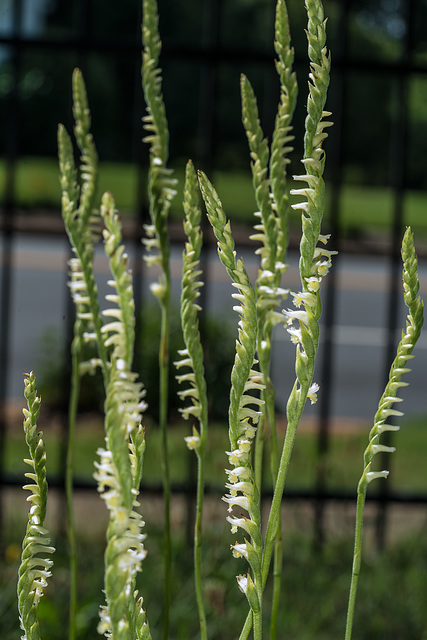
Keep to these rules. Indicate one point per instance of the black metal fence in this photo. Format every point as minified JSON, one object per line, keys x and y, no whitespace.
{"x":377,"y":96}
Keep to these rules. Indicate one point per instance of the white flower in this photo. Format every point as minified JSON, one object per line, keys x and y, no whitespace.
{"x":323,"y":267}
{"x":192,"y":442}
{"x":244,"y":445}
{"x":242,"y":486}
{"x":237,"y":522}
{"x":236,"y":456}
{"x":307,"y":299}
{"x":313,"y":283}
{"x":380,"y":428}
{"x":239,"y":472}
{"x":320,"y":251}
{"x":242,"y":581}
{"x":295,"y":334}
{"x":249,"y":430}
{"x":240,"y":501}
{"x":291,"y":315}
{"x":324,"y":238}
{"x":377,"y":448}
{"x":373,"y":475}
{"x":239,"y":550}
{"x":312,"y":392}
{"x":157,"y":289}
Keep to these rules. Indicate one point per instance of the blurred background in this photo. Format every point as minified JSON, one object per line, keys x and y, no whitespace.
{"x":376,"y":185}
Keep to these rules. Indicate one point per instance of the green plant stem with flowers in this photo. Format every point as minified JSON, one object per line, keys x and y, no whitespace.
{"x":314,"y":264}
{"x":192,"y":358}
{"x":269,"y":172}
{"x":161,"y":192}
{"x":78,"y":210}
{"x":385,"y":411}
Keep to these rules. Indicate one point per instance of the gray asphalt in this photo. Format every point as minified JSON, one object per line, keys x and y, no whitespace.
{"x":39,"y":320}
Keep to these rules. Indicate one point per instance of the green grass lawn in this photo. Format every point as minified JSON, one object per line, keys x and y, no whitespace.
{"x":362,"y":207}
{"x":343,"y":462}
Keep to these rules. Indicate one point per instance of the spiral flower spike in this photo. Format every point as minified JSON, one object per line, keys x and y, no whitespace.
{"x":385,"y":411}
{"x":192,"y":355}
{"x":35,"y":567}
{"x":193,"y":359}
{"x":161,"y":191}
{"x":118,"y":475}
{"x":161,"y":188}
{"x":243,"y":417}
{"x":269,"y":176}
{"x":82,"y":224}
{"x":314,"y":260}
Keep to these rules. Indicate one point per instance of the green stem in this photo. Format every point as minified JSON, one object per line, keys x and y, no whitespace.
{"x":71,"y":530}
{"x":278,"y":553}
{"x":163,"y":412}
{"x":261,"y":435}
{"x":268,"y":397}
{"x":246,"y":627}
{"x":275,"y":510}
{"x":257,"y":622}
{"x":357,"y":554}
{"x":277,"y":582}
{"x":198,"y":530}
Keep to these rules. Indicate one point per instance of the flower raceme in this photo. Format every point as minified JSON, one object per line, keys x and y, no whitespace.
{"x":385,"y":411}
{"x":35,"y":566}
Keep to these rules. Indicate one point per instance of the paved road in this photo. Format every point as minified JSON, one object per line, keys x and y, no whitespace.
{"x":39,"y":308}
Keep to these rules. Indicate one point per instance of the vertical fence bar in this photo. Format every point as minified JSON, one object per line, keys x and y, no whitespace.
{"x":11,"y":153}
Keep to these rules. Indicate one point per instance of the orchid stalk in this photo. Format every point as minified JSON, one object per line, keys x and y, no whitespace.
{"x":192,"y":358}
{"x":34,"y":569}
{"x":82,"y":227}
{"x":269,"y":174}
{"x":120,"y":468}
{"x":244,"y":412}
{"x":81,"y":219}
{"x":161,"y":191}
{"x":314,"y":261}
{"x":119,"y":471}
{"x":385,"y":411}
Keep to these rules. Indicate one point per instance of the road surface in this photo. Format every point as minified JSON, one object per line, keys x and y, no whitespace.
{"x":39,"y":316}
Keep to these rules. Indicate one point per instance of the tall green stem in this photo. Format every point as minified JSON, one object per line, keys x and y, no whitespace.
{"x":357,"y":555}
{"x":257,"y":621}
{"x":264,"y":355}
{"x":69,"y":471}
{"x":275,"y":510}
{"x":163,"y":413}
{"x":198,"y":531}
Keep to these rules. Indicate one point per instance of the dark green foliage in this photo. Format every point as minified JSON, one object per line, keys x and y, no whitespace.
{"x":374,"y":35}
{"x":315,"y":590}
